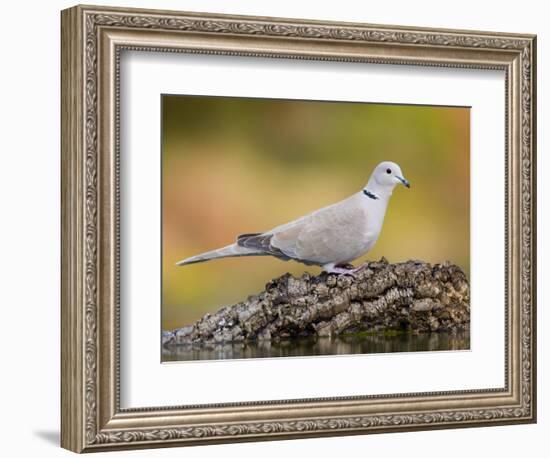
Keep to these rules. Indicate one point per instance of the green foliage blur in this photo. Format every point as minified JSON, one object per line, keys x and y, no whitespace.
{"x":236,"y":165}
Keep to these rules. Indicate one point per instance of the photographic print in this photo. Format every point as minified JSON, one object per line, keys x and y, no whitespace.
{"x":302,"y":228}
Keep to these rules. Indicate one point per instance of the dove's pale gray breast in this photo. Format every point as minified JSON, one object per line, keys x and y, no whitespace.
{"x":335,"y":234}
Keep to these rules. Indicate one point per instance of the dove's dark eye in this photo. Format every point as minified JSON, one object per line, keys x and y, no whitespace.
{"x":388,"y":171}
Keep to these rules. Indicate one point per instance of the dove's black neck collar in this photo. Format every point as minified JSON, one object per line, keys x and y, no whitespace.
{"x":370,"y":195}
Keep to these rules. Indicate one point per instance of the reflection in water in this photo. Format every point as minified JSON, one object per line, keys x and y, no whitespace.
{"x":341,"y":345}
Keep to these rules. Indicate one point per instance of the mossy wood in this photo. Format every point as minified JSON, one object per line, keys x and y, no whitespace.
{"x":411,"y":296}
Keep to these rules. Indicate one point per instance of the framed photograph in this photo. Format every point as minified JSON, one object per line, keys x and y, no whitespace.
{"x":277,"y":228}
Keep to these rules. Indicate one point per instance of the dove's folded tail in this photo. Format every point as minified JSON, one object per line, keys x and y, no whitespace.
{"x":225,"y":252}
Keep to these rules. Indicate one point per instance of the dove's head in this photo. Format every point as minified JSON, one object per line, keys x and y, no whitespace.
{"x":386,"y":176}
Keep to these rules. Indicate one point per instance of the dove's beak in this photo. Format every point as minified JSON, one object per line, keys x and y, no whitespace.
{"x":405,"y":182}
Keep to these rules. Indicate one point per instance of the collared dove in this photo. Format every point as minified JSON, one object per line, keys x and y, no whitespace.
{"x":329,"y":237}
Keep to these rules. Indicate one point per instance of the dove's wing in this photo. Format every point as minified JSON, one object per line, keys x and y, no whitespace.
{"x":337,"y":234}
{"x":332,"y":234}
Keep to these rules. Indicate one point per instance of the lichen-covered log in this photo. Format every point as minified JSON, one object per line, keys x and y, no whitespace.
{"x":413,"y":296}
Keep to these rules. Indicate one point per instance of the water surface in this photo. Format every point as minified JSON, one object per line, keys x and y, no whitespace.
{"x":311,"y":346}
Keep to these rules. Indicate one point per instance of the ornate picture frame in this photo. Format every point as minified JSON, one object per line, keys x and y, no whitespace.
{"x":93,"y":39}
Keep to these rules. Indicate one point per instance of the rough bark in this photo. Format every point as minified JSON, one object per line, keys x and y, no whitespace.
{"x":411,"y":296}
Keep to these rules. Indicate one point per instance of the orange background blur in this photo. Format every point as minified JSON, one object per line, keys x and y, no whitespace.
{"x":236,"y":165}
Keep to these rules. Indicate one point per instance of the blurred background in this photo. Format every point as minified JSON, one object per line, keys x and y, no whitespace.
{"x":237,"y":165}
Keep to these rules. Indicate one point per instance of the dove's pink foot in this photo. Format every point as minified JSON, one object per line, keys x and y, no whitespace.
{"x":334,"y":269}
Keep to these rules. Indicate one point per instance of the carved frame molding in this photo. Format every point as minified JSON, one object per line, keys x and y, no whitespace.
{"x":92,"y":40}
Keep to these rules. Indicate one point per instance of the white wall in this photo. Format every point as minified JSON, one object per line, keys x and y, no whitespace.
{"x":29,"y":228}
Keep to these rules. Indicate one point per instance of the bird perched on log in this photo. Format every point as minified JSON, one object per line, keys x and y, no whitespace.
{"x":330,"y":237}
